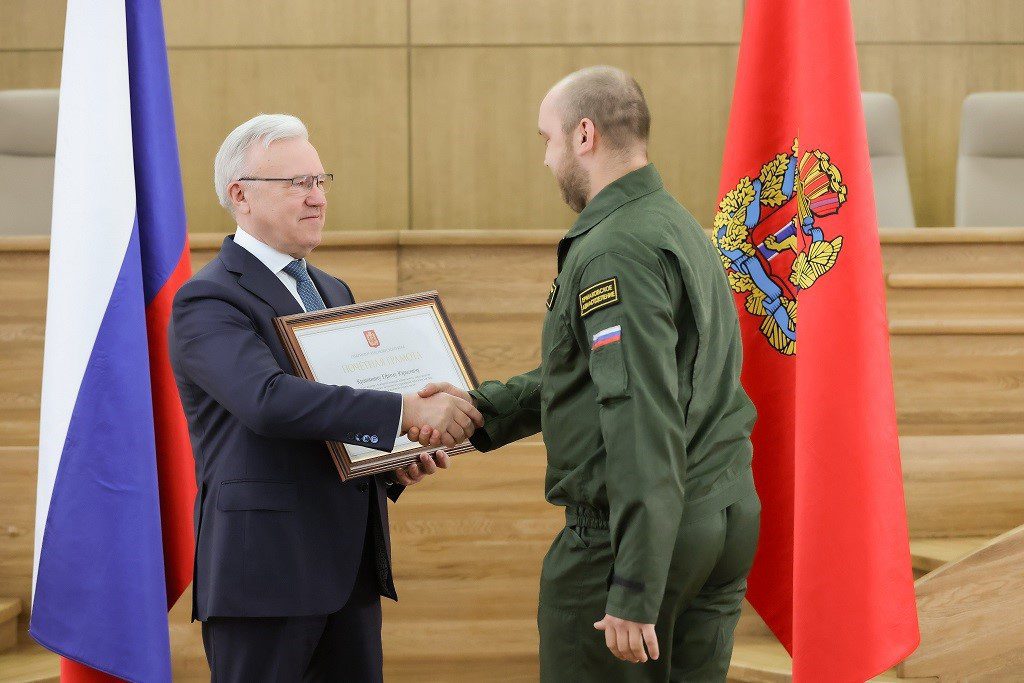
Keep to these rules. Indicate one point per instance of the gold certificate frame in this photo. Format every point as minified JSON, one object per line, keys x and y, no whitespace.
{"x":398,"y":344}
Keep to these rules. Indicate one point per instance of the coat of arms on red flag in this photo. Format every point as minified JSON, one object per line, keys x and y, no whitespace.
{"x":770,"y":243}
{"x":371,"y":338}
{"x":834,"y":547}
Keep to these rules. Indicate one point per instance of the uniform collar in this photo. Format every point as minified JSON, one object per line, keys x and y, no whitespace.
{"x":633,"y":185}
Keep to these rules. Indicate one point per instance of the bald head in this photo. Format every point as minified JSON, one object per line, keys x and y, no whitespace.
{"x":611,"y":99}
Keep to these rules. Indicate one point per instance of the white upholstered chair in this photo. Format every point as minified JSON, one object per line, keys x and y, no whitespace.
{"x":888,"y":163}
{"x":990,"y":162}
{"x":28,"y":136}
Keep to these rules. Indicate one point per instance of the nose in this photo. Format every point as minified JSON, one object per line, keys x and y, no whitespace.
{"x":316,"y":197}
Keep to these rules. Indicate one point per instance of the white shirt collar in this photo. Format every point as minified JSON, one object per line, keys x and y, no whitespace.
{"x":270,"y":257}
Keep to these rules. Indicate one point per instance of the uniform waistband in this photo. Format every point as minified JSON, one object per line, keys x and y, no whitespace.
{"x":586,"y":517}
{"x":593,"y":518}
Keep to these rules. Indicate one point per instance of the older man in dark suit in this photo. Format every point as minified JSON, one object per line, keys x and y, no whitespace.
{"x":290,"y":562}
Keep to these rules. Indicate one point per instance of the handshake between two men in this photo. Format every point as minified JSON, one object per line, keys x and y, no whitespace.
{"x":645,"y":417}
{"x":440,"y":415}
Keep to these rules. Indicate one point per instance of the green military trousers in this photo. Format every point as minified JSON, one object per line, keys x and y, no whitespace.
{"x":706,"y":584}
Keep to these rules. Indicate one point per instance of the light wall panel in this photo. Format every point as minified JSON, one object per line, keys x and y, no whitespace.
{"x":35,"y":24}
{"x":266,"y":23}
{"x":22,"y":324}
{"x":477,"y":160}
{"x":18,"y":519}
{"x":30,"y":69}
{"x":353,"y":100}
{"x":32,"y":24}
{"x":930,"y":83}
{"x":39,"y":24}
{"x":574,"y":22}
{"x":938,"y":21}
{"x":929,"y":53}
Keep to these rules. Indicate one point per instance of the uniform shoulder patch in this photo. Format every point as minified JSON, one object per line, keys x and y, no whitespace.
{"x":600,"y":295}
{"x":550,"y":303}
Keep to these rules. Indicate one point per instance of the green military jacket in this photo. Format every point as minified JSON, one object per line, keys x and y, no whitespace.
{"x":638,"y":393}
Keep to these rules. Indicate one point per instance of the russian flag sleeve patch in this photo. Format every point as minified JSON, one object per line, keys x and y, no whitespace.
{"x":605,"y":337}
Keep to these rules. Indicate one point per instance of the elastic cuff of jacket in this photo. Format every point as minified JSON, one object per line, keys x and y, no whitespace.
{"x":481,"y":440}
{"x":631,"y":605}
{"x":494,"y":400}
{"x":496,"y":404}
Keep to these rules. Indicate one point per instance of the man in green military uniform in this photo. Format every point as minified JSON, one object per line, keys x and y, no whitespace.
{"x":639,"y":399}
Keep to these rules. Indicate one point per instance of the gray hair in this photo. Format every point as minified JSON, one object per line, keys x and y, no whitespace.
{"x":229,"y":164}
{"x":612,"y":99}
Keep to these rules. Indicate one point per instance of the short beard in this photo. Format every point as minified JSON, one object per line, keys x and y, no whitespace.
{"x":574,"y":182}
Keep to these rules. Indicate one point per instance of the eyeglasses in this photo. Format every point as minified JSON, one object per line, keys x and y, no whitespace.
{"x":304,"y":182}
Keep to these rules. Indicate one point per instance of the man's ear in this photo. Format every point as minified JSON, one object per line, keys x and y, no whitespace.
{"x":238,"y":197}
{"x":586,"y":135}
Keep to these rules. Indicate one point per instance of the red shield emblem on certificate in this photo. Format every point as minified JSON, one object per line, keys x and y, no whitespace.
{"x":371,"y":338}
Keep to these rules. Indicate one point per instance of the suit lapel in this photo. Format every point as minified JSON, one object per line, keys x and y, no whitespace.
{"x":257,"y":278}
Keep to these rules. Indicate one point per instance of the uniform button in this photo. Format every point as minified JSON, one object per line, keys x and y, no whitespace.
{"x":374,"y":439}
{"x":363,"y":487}
{"x":366,"y":438}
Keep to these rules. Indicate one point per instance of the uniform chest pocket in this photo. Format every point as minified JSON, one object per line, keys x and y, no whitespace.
{"x":608,"y":370}
{"x":557,"y":351}
{"x":555,"y":343}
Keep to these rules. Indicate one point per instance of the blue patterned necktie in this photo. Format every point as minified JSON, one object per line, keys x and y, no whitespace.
{"x":307,"y":292}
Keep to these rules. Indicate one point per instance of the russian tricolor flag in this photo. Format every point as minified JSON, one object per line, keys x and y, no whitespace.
{"x":116,"y":481}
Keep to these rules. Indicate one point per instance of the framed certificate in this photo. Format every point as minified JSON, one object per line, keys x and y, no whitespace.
{"x":398,"y":344}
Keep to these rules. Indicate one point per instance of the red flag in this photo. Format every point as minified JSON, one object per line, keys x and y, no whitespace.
{"x":797,"y":231}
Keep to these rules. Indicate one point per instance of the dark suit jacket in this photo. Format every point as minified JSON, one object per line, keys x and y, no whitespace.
{"x":277,"y":532}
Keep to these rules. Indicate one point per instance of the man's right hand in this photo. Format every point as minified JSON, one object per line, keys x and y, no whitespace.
{"x":452,"y":419}
{"x":425,"y":434}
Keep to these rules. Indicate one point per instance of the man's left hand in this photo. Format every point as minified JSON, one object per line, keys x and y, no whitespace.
{"x":428,"y":464}
{"x":626,"y":639}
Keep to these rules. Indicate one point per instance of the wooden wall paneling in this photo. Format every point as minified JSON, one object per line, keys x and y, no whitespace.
{"x":963,"y":485}
{"x":477,"y":161}
{"x":39,"y":24}
{"x":495,"y":295}
{"x":938,"y":21}
{"x":32,"y":24}
{"x":961,"y":303}
{"x":967,"y":281}
{"x":200,"y":23}
{"x":29,"y":69}
{"x":500,"y":346}
{"x":22,"y":324}
{"x":497,"y":280}
{"x":978,"y":252}
{"x":17,"y":524}
{"x":353,"y":100}
{"x":25,"y":24}
{"x":930,"y":83}
{"x":958,"y":384}
{"x":454,"y":22}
